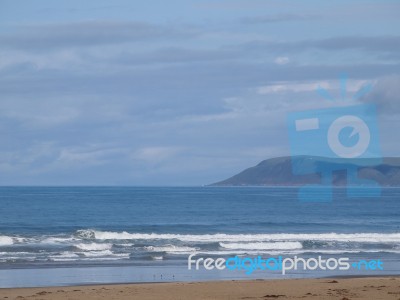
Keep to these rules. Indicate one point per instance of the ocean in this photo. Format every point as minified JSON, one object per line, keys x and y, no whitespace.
{"x":80,"y":235}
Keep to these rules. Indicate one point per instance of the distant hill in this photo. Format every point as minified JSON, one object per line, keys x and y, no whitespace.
{"x":278,"y":172}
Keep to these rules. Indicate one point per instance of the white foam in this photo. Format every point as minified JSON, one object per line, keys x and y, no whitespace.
{"x":20,"y":240}
{"x":15,"y":258}
{"x":263,"y":246}
{"x":125,"y":245}
{"x":94,"y":246}
{"x":64,"y":255}
{"x":98,"y":253}
{"x":105,"y":253}
{"x":157,"y":257}
{"x":221,"y":237}
{"x":90,"y":255}
{"x":170,"y":249}
{"x":15,"y":253}
{"x":6,"y":240}
{"x":61,"y":259}
{"x":288,"y":252}
{"x":58,"y":240}
{"x":103,"y":258}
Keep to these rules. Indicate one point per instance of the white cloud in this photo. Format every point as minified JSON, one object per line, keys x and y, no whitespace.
{"x":156,"y":154}
{"x":88,"y":155}
{"x":281,"y":60}
{"x":385,"y":94}
{"x":308,"y":86}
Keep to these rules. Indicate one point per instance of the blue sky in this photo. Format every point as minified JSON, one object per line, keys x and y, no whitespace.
{"x":179,"y":92}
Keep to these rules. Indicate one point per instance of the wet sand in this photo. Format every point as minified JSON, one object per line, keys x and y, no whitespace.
{"x":338,"y":288}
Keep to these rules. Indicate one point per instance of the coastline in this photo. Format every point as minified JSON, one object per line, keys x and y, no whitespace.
{"x":385,"y":287}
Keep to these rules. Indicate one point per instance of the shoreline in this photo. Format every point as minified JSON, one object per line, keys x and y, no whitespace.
{"x":123,"y":283}
{"x":119,"y":275}
{"x":360,"y":287}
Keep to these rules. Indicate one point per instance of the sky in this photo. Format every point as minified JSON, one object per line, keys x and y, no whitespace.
{"x":180,"y":93}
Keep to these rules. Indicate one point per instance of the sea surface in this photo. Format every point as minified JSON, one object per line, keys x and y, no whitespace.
{"x":79,"y":235}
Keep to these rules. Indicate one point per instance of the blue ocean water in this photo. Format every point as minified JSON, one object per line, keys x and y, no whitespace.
{"x":159,"y":227}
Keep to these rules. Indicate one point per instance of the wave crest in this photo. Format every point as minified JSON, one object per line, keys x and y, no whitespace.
{"x":263,"y":246}
{"x":93,"y":247}
{"x":6,"y":240}
{"x":222,"y":237}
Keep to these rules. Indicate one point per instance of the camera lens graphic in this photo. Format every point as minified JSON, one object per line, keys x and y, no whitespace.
{"x":359,"y":127}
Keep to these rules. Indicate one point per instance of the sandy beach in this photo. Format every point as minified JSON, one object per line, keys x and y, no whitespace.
{"x":344,"y":289}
